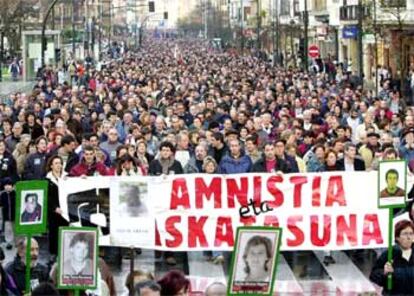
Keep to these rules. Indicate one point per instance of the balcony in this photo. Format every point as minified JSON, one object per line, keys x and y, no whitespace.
{"x":350,"y":12}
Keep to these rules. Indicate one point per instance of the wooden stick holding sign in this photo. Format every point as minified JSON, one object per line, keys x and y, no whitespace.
{"x":30,"y":217}
{"x":392,"y":189}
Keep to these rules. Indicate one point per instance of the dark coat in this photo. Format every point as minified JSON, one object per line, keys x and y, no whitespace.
{"x":35,"y":167}
{"x":17,"y":270}
{"x":73,"y":159}
{"x":155,"y":168}
{"x":281,"y":165}
{"x":403,"y":276}
{"x":8,"y":204}
{"x":55,"y":220}
{"x":8,"y":168}
{"x":34,"y":131}
{"x":359,"y":164}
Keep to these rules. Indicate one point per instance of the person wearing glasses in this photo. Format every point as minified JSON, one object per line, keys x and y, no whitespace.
{"x":401,"y":267}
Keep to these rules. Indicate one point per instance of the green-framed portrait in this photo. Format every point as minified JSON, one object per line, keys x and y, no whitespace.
{"x":254,"y":261}
{"x":392,"y":184}
{"x":31,"y":207}
{"x":78,"y":258}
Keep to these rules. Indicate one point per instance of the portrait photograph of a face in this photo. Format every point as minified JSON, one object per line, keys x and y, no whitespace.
{"x":392,"y":184}
{"x":254,"y":261}
{"x":77,"y":258}
{"x":132,"y":199}
{"x":31,"y":207}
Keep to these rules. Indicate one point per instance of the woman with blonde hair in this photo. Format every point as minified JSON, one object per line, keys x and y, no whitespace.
{"x":21,"y":152}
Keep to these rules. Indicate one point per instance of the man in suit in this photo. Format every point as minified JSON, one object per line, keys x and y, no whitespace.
{"x":350,"y":162}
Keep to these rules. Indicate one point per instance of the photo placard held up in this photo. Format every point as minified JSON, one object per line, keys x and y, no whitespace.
{"x":254,"y":261}
{"x":31,"y":207}
{"x":392,"y":184}
{"x":78,"y":255}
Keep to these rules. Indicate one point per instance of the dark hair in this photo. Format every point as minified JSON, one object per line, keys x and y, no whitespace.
{"x":34,"y":195}
{"x":167,"y":144}
{"x":152,"y":285}
{"x":82,"y":237}
{"x":129,"y":283}
{"x":173,"y":282}
{"x":400,"y":226}
{"x":256,"y":241}
{"x":88,"y":148}
{"x":67,"y":140}
{"x":39,"y":139}
{"x":44,"y":289}
{"x":218,"y":137}
{"x":391,"y":171}
{"x":50,"y":162}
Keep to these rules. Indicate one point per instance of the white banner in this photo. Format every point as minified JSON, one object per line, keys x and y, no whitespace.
{"x":320,"y":211}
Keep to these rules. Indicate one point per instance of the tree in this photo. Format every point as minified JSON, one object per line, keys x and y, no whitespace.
{"x":13,"y":13}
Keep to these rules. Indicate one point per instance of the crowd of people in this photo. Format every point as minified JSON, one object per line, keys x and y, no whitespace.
{"x":178,"y":107}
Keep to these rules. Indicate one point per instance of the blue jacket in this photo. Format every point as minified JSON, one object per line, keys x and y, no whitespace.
{"x":314,"y":165}
{"x":229,"y":165}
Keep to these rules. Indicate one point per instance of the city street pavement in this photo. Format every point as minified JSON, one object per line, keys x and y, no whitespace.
{"x":299,"y":273}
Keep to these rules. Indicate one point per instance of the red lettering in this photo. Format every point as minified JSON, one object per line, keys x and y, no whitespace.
{"x":298,"y":181}
{"x":272,"y":221}
{"x":346,"y":229}
{"x":173,"y":231}
{"x":179,"y":194}
{"x":326,"y":237}
{"x":371,"y":230}
{"x":224,"y":232}
{"x":296,"y":231}
{"x":233,"y":190}
{"x":202,"y":190}
{"x":316,"y":191}
{"x":196,"y":231}
{"x":257,"y":190}
{"x":335,"y":192}
{"x":274,"y":191}
{"x":157,"y":235}
{"x":248,"y":221}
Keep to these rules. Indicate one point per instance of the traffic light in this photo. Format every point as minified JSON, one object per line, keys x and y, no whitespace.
{"x":58,"y":55}
{"x":151,"y":6}
{"x":166,"y":15}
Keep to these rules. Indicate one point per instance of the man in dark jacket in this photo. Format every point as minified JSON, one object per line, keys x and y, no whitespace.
{"x":66,"y":151}
{"x":236,"y":162}
{"x":31,"y":127}
{"x":8,"y":167}
{"x":17,"y":268}
{"x":165,"y":164}
{"x":280,"y":152}
{"x":218,"y":148}
{"x":269,"y":163}
{"x":35,"y":165}
{"x":350,"y":162}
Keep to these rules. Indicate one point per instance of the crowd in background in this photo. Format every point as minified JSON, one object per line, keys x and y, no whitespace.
{"x":180,"y":106}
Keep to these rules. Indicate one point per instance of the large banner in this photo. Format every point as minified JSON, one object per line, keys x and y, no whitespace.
{"x":319,"y":211}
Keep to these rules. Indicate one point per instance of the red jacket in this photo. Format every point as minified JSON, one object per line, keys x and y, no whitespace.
{"x":97,"y":168}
